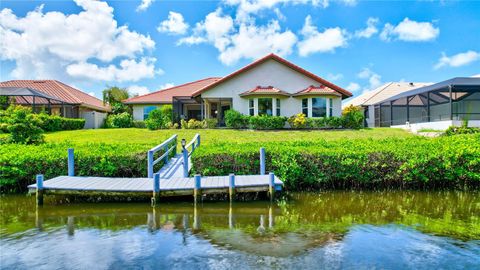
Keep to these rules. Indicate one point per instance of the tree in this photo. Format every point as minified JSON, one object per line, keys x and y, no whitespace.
{"x":114,"y":95}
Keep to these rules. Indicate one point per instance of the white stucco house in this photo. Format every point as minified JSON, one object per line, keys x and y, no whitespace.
{"x":269,"y":86}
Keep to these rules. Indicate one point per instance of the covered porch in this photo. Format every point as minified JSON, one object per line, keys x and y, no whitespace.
{"x":199,"y":108}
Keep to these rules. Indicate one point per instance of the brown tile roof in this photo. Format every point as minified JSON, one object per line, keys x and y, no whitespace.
{"x":166,"y":95}
{"x":60,"y":91}
{"x":344,"y":93}
{"x":317,"y":90}
{"x":261,"y":90}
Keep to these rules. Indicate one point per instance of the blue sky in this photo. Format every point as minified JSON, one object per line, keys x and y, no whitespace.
{"x":149,"y":44}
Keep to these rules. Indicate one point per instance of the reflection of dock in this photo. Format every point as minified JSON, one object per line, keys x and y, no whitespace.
{"x":167,"y":182}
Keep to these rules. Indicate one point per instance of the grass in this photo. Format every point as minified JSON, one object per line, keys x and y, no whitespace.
{"x":212,"y":136}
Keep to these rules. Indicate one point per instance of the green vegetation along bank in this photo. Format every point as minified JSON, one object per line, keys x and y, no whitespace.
{"x":368,"y":158}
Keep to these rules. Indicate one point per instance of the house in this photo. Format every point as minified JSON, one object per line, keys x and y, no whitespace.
{"x":437,"y":106}
{"x":269,"y":86}
{"x":367,"y":100}
{"x":56,"y":98}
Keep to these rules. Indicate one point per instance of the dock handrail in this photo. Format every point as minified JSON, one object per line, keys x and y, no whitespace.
{"x":194,"y":144}
{"x":165,"y":156}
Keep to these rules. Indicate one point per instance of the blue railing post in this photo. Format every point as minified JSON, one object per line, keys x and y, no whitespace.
{"x":71,"y":162}
{"x":39,"y":194}
{"x":150,"y":163}
{"x":165,"y":148}
{"x":262,"y":160}
{"x":198,"y":140}
{"x":185,"y":162}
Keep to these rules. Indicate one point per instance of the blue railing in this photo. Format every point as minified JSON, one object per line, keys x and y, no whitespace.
{"x":193,"y":144}
{"x":168,"y":146}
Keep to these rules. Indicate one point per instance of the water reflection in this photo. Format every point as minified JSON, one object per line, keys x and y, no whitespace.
{"x":333,"y":229}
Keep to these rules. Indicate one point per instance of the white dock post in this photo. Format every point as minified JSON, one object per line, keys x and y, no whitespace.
{"x":231,"y":186}
{"x":71,"y":162}
{"x":39,"y":189}
{"x":156,"y":189}
{"x":262,"y":160}
{"x":185,"y":162}
{"x":271,"y":185}
{"x":150,"y":164}
{"x":197,"y":191}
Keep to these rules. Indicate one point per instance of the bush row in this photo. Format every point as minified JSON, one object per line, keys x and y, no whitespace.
{"x":350,"y":119}
{"x":196,"y":124}
{"x":406,"y":163}
{"x":20,"y":163}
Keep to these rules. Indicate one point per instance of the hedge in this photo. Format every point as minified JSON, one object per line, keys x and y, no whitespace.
{"x":452,"y":162}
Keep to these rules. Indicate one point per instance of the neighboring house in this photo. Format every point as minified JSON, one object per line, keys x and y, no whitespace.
{"x":435,"y":106}
{"x":368,"y":99}
{"x":56,"y":98}
{"x":269,"y":86}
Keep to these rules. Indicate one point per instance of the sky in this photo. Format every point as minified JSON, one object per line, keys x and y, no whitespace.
{"x":148,"y":45}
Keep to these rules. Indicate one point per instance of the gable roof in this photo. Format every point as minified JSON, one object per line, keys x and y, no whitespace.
{"x":59,"y":91}
{"x":322,"y":90}
{"x":260,"y":90}
{"x":166,"y":95}
{"x":383,"y":93}
{"x":279,"y":59}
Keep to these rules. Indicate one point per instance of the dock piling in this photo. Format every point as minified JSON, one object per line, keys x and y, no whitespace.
{"x":150,"y":163}
{"x":231,"y":186}
{"x":197,"y":191}
{"x":39,"y":194}
{"x":71,"y":162}
{"x":156,"y":189}
{"x":262,"y":160}
{"x":271,"y":185}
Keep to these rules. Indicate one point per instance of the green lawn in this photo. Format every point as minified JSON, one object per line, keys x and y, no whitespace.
{"x":209,"y":137}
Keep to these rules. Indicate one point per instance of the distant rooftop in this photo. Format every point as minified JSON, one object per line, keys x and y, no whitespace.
{"x":383,"y":93}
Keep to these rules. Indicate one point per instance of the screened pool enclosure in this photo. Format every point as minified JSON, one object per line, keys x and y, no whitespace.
{"x":454,"y":99}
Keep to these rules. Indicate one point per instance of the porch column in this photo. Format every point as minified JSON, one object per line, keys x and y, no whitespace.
{"x":408,"y":109}
{"x":428,"y":107}
{"x":202,"y":111}
{"x":391,"y":113}
{"x":274,"y":107}
{"x":450,"y":101}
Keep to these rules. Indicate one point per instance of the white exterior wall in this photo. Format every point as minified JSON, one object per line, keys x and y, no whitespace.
{"x":269,"y":73}
{"x":138,"y":110}
{"x":93,"y":119}
{"x":438,"y":125}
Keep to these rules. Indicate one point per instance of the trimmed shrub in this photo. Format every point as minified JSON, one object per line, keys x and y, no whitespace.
{"x":352,"y":117}
{"x":266,"y":122}
{"x":210,"y":123}
{"x":122,"y":120}
{"x":167,"y":114}
{"x":72,"y":123}
{"x":298,"y":121}
{"x":22,"y":125}
{"x":139,"y":124}
{"x":159,"y":118}
{"x":234,"y":119}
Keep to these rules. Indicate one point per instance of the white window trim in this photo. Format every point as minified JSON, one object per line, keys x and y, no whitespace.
{"x":310,"y":105}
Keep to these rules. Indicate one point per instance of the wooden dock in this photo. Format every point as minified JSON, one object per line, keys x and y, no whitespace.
{"x":170,"y":180}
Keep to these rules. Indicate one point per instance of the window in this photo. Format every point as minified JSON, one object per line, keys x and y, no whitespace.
{"x":305,"y":106}
{"x":278,"y":107}
{"x":330,"y":107}
{"x":251,"y":106}
{"x":147,"y":110}
{"x":319,"y":107}
{"x":265,"y":106}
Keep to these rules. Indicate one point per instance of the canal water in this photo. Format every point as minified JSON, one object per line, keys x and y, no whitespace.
{"x":328,"y":230}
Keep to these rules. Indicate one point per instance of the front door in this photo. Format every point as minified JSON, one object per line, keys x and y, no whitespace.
{"x":224,"y":108}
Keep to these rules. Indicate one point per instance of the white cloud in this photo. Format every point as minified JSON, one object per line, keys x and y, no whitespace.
{"x":315,"y":41}
{"x":43,"y":45}
{"x":91,"y":94}
{"x":457,"y":60}
{"x":374,"y":80}
{"x":408,"y":30}
{"x":476,"y":76}
{"x":129,"y":70}
{"x":166,"y":85}
{"x":334,"y":77}
{"x":370,"y":30}
{"x":175,"y":24}
{"x":144,"y":5}
{"x":241,"y":40}
{"x":352,"y":87}
{"x":138,"y":90}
